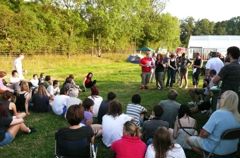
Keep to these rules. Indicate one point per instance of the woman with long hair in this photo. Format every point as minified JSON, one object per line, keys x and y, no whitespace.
{"x":197,"y":65}
{"x":171,"y":72}
{"x":87,"y":82}
{"x":227,"y":117}
{"x":184,"y":126}
{"x":163,"y":147}
{"x":23,"y":98}
{"x":10,"y":125}
{"x":7,"y":100}
{"x":133,"y":145}
{"x":159,"y":71}
{"x":40,"y":100}
{"x":112,"y":123}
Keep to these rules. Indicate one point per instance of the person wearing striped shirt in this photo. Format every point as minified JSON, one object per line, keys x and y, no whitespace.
{"x":135,"y":110}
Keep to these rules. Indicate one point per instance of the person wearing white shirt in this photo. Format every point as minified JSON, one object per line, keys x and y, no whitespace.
{"x":18,"y":65}
{"x":59,"y":105}
{"x":166,"y":148}
{"x":112,"y":123}
{"x":15,"y":81}
{"x":96,"y":99}
{"x":34,"y":81}
{"x":214,"y":63}
{"x":14,"y":78}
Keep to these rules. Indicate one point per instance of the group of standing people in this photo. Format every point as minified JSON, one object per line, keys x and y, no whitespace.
{"x":172,"y":66}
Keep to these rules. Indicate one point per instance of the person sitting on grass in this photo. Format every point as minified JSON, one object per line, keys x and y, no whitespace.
{"x":15,"y":81}
{"x":97,"y":99}
{"x":130,"y":145}
{"x":73,"y":100}
{"x":227,"y":117}
{"x":10,"y":125}
{"x":184,"y":127}
{"x":88,"y":116}
{"x":74,"y":141}
{"x":3,"y":87}
{"x":40,"y":100}
{"x":162,"y":146}
{"x":34,"y":81}
{"x":103,"y":109}
{"x":56,"y":89}
{"x":41,"y":78}
{"x":112,"y":124}
{"x":59,"y":105}
{"x":23,"y":98}
{"x":135,"y":110}
{"x":170,"y":108}
{"x":150,"y":126}
{"x":87,"y":82}
{"x":8,"y":101}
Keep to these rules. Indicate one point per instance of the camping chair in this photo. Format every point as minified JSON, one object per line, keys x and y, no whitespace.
{"x":229,"y":134}
{"x":66,"y":148}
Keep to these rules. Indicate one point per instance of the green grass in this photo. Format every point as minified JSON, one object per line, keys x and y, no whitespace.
{"x":112,"y":74}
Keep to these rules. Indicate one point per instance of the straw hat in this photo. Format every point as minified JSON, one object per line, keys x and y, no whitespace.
{"x":2,"y":74}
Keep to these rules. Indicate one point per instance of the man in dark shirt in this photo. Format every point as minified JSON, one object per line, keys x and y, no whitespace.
{"x":103,"y":109}
{"x":230,"y":74}
{"x":150,"y":126}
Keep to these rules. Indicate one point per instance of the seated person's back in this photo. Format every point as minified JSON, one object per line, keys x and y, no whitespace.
{"x":170,"y":108}
{"x":150,"y":126}
{"x":74,"y":141}
{"x":135,"y":110}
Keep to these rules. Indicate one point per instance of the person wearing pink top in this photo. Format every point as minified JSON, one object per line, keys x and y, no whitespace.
{"x":130,"y":145}
{"x":4,"y":88}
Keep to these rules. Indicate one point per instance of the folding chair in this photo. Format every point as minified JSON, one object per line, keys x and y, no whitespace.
{"x":229,"y":134}
{"x":79,"y":148}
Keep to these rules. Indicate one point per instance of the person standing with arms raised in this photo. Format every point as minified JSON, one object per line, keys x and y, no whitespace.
{"x":18,"y":65}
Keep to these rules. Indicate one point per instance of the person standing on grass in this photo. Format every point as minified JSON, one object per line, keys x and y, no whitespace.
{"x":171,"y":71}
{"x":18,"y":65}
{"x":214,"y":63}
{"x":146,"y":64}
{"x":130,"y":145}
{"x":184,"y":63}
{"x":197,"y":65}
{"x":159,"y":71}
{"x":230,"y":74}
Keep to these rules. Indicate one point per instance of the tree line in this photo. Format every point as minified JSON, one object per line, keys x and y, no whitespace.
{"x":205,"y":27}
{"x":85,"y":26}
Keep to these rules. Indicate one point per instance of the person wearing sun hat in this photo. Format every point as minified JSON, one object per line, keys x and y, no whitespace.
{"x":4,"y":88}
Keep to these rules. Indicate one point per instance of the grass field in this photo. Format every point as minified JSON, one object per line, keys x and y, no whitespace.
{"x":112,"y":73}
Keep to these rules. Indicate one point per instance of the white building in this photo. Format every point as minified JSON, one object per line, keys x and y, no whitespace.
{"x":205,"y":44}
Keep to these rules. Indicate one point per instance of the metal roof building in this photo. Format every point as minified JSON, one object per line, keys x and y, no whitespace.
{"x":205,"y":44}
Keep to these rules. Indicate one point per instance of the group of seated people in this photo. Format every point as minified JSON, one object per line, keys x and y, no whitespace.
{"x":41,"y":94}
{"x":165,"y":133}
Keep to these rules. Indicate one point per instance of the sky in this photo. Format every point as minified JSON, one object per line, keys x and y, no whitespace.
{"x":214,"y":10}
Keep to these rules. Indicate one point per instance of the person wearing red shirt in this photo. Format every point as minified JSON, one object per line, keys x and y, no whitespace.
{"x":147,"y":64}
{"x":130,"y":145}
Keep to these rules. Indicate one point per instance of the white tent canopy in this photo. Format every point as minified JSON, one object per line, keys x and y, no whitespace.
{"x":217,"y":43}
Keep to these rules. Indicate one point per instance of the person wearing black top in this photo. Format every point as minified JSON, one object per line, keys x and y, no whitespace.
{"x":10,"y":125}
{"x":197,"y":64}
{"x":74,"y":141}
{"x":103,"y":109}
{"x":40,"y":100}
{"x":159,"y":71}
{"x":172,"y":67}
